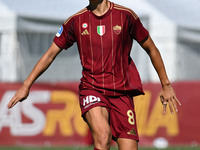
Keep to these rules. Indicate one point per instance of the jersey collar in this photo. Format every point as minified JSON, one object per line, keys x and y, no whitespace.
{"x":105,"y":15}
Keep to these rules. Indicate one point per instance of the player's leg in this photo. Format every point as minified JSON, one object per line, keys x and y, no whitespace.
{"x":123,"y":123}
{"x":127,"y":144}
{"x":94,"y":109}
{"x":98,"y":122}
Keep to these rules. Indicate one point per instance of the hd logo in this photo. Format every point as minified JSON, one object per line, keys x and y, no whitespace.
{"x":89,"y":100}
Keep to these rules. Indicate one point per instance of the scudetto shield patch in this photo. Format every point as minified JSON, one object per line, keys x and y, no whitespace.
{"x":101,"y":30}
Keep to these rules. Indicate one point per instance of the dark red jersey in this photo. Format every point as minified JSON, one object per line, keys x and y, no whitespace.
{"x":104,"y":45}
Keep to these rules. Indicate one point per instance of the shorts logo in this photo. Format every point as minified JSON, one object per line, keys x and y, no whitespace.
{"x":90,"y":100}
{"x":101,"y":30}
{"x":132,"y":132}
{"x":58,"y":34}
{"x":117,"y":29}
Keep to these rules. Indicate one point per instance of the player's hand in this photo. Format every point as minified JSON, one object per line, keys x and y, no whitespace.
{"x":19,"y":96}
{"x":168,"y":97}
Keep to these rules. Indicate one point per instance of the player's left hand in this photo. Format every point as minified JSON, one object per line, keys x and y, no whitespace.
{"x":168,"y":97}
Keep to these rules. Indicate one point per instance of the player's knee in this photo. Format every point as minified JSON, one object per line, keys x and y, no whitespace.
{"x":103,"y":138}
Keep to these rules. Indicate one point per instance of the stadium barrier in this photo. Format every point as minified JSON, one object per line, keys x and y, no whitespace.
{"x":51,"y":116}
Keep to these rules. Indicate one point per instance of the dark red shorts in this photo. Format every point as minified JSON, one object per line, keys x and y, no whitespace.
{"x":120,"y":108}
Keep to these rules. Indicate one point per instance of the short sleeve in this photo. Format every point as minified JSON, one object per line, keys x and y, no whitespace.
{"x":65,"y":37}
{"x":137,"y":31}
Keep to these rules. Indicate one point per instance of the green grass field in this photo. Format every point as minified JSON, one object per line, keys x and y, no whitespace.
{"x":90,"y":148}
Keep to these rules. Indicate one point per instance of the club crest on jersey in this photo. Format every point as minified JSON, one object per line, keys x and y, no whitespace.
{"x":117,"y":29}
{"x":58,"y":34}
{"x":101,"y":30}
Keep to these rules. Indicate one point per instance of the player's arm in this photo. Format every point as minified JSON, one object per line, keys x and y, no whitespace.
{"x":44,"y":62}
{"x":167,"y":93}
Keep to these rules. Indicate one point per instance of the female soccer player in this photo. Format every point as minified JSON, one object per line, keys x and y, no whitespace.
{"x":104,"y":32}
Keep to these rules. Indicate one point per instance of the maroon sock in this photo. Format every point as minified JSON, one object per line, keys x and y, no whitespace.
{"x":96,"y":149}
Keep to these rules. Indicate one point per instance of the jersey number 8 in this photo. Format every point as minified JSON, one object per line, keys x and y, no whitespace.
{"x":130,"y":117}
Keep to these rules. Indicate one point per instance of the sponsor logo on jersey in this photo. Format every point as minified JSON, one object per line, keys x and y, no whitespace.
{"x":58,"y":34}
{"x":117,"y":29}
{"x":85,"y":32}
{"x":90,"y":100}
{"x":84,"y":25}
{"x":101,"y":30}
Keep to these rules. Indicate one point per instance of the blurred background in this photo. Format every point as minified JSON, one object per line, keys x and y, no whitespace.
{"x":27,"y":29}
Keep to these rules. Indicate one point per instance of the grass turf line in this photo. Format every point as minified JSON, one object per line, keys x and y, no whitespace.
{"x":90,"y":148}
